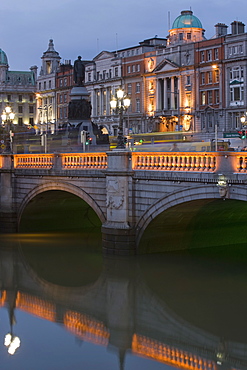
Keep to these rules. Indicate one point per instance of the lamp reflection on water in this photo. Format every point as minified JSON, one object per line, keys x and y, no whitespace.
{"x":12,"y":342}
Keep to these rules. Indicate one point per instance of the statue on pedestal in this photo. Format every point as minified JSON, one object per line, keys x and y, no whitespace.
{"x":79,"y":72}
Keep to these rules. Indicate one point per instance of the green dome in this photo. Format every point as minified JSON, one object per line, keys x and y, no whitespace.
{"x":3,"y":58}
{"x":186,"y":20}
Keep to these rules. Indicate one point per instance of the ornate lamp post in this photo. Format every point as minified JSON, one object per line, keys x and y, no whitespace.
{"x":7,"y":120}
{"x":120,"y":103}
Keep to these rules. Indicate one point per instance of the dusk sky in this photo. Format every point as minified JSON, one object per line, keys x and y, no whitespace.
{"x":87,"y":27}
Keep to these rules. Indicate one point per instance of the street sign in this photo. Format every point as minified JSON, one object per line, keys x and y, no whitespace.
{"x":230,"y":134}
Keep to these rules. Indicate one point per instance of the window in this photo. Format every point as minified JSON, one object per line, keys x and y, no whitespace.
{"x":209,"y":55}
{"x":138,"y":86}
{"x":110,"y":73}
{"x":217,"y":96}
{"x":39,"y":85}
{"x":65,"y":82}
{"x":188,"y":80}
{"x":31,"y":121}
{"x":217,"y":76}
{"x":60,"y":98}
{"x":133,"y":68}
{"x":104,"y":74}
{"x":89,"y":76}
{"x":181,"y":36}
{"x":31,"y":98}
{"x":31,"y":110}
{"x":138,"y":105}
{"x":209,"y":77}
{"x":61,"y":112}
{"x":188,"y":36}
{"x":128,"y":69}
{"x":65,"y":112}
{"x":138,"y":67}
{"x":210,"y":97}
{"x":216,"y":54}
{"x":20,"y":121}
{"x":9,"y":97}
{"x":236,"y":93}
{"x":116,"y":71}
{"x":129,"y":89}
{"x":20,"y":109}
{"x":65,"y":98}
{"x":236,"y":73}
{"x":49,"y":84}
{"x":45,"y":85}
{"x":203,"y":98}
{"x":202,"y":56}
{"x":203,"y":78}
{"x":97,"y":76}
{"x":20,"y":98}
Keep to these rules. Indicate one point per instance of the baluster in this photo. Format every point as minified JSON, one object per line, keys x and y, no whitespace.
{"x":169,"y":164}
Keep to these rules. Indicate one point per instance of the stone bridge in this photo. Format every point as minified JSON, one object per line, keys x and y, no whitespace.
{"x":127,"y":190}
{"x":117,"y":310}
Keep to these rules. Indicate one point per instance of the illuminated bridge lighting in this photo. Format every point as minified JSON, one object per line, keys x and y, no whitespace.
{"x":3,"y":298}
{"x":36,"y":306}
{"x":86,"y":328}
{"x":169,"y":355}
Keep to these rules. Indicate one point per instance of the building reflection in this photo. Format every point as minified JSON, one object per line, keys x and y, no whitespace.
{"x":118,"y":311}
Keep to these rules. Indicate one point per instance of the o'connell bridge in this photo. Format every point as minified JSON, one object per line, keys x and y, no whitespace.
{"x":127,"y":190}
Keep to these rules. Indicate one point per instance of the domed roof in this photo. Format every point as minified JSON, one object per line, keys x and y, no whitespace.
{"x":3,"y":58}
{"x":187,"y":20}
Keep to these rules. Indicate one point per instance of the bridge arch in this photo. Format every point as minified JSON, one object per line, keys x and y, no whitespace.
{"x":182,"y":196}
{"x":70,"y":188}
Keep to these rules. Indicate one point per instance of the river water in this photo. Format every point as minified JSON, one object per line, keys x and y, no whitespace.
{"x":73,"y":308}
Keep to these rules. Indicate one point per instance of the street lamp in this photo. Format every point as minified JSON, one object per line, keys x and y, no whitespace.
{"x":120,"y":103}
{"x":243,"y":119}
{"x":7,"y":119}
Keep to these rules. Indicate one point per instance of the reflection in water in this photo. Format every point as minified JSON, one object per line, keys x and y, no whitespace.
{"x":186,"y":310}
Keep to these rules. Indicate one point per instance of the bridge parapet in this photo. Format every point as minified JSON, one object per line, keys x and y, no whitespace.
{"x":230,"y":162}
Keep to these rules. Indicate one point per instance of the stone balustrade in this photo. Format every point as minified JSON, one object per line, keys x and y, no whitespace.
{"x":174,"y":162}
{"x":165,"y":161}
{"x":80,"y":161}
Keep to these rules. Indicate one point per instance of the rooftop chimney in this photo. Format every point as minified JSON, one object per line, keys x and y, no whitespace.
{"x":237,"y":27}
{"x":221,"y":29}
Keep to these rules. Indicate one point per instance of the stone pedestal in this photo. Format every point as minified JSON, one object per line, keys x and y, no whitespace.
{"x":80,"y":111}
{"x":118,"y":234}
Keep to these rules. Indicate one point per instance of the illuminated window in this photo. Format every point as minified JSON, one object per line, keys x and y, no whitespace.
{"x":203,"y":98}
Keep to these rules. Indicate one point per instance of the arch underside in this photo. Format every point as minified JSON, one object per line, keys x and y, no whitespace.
{"x":62,"y":187}
{"x":182,"y":196}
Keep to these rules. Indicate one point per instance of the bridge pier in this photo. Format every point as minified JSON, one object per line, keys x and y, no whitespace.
{"x":8,"y":216}
{"x":118,"y":235}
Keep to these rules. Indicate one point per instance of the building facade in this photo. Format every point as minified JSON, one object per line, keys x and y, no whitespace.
{"x":46,"y":88}
{"x":17,"y":90}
